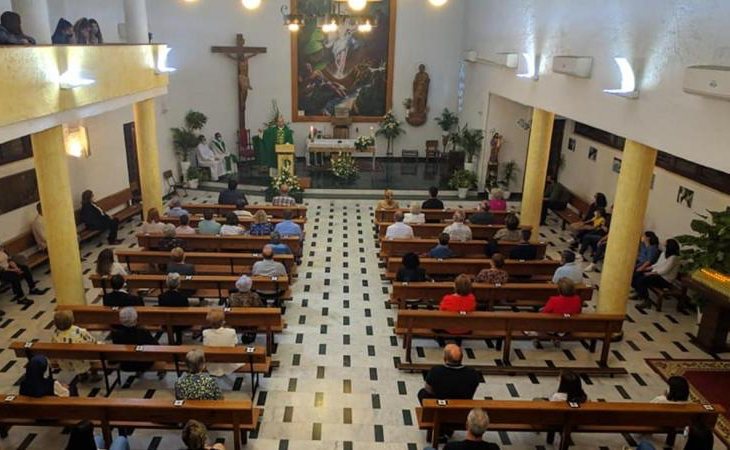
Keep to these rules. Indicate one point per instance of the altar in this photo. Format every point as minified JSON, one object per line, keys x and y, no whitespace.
{"x":317,"y":148}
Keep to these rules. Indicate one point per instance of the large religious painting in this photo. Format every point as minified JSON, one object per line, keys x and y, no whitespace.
{"x":18,"y":190}
{"x":15,"y":150}
{"x":344,"y":70}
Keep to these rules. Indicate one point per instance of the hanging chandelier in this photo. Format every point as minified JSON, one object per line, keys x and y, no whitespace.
{"x":336,"y":18}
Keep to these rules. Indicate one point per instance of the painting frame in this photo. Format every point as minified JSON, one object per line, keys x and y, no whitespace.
{"x":389,"y":79}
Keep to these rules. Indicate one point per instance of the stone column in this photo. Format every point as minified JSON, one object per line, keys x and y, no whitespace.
{"x":145,"y":130}
{"x":135,"y":21}
{"x":538,"y":155}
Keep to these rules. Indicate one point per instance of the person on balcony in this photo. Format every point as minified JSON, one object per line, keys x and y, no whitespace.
{"x":11,"y":33}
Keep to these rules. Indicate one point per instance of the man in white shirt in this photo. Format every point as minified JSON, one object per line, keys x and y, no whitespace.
{"x":569,"y":269}
{"x":399,"y":230}
{"x":208,"y":158}
{"x":458,"y":231}
{"x":38,"y":227}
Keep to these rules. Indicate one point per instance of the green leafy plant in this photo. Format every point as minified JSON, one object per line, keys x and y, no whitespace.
{"x":509,"y":174}
{"x":390,"y":128}
{"x":273,"y":115}
{"x":463,"y":179}
{"x":187,"y":137}
{"x":709,"y":246}
{"x":447,"y":120}
{"x":193,"y":173}
{"x":344,"y":166}
{"x":469,"y":140}
{"x":285,"y":177}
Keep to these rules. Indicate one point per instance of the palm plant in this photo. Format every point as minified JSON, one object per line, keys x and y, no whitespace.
{"x":187,"y":137}
{"x":470,"y":140}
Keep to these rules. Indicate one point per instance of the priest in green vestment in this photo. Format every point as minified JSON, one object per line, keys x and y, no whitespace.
{"x":274,"y":135}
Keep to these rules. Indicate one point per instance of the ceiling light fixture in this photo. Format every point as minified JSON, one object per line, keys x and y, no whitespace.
{"x":72,"y":79}
{"x":357,"y":5}
{"x":628,"y":80}
{"x":251,"y":4}
{"x":76,"y":141}
{"x":438,"y":3}
{"x":294,"y":22}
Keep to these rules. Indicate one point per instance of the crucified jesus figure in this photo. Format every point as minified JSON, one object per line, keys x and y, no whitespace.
{"x":244,"y":82}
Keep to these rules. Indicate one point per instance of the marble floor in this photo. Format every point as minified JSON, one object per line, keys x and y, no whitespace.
{"x":337,"y":387}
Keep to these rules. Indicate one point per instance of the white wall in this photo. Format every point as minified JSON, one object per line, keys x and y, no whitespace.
{"x":667,"y":35}
{"x":663,"y":215}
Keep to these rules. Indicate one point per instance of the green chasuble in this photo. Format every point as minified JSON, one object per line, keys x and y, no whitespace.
{"x":266,"y":153}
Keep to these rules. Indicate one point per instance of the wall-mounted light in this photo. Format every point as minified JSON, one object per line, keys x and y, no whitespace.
{"x":76,"y":141}
{"x":357,"y":5}
{"x":528,"y":66}
{"x":628,"y":80}
{"x":330,"y":25}
{"x":71,"y":79}
{"x":161,"y":66}
{"x":365,"y":25}
{"x":251,"y":4}
{"x":438,"y":3}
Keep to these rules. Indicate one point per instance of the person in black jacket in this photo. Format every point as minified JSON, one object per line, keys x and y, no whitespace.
{"x":174,"y":298}
{"x":130,"y":334}
{"x":96,"y":219}
{"x":411,"y":270}
{"x":231,"y":196}
{"x":119,"y":297}
{"x":524,"y":251}
{"x":64,"y":33}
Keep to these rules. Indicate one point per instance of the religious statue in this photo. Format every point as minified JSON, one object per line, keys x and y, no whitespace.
{"x":418,"y":111}
{"x":496,"y":145}
{"x":218,"y":146}
{"x":274,"y":135}
{"x":244,"y":82}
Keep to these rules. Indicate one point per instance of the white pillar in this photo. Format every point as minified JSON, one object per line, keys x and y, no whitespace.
{"x":34,"y":19}
{"x":135,"y":19}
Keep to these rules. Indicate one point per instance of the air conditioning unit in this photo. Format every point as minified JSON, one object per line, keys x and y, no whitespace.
{"x":575,"y":66}
{"x":709,"y":81}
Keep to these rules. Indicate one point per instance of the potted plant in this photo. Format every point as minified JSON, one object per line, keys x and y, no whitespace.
{"x":192,"y":176}
{"x":344,"y":167}
{"x":462,"y":180}
{"x":447,"y":121}
{"x":187,"y":137}
{"x":390,"y":128}
{"x":709,"y":247}
{"x":509,"y":175}
{"x":470,"y":140}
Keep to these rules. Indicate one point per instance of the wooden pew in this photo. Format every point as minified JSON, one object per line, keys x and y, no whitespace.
{"x":96,"y":318}
{"x":220,"y":243}
{"x":433,"y":230}
{"x":466,"y":249}
{"x":253,"y":359}
{"x":539,"y":269}
{"x":271,"y":210}
{"x":488,"y":295}
{"x":576,"y":209}
{"x":122,"y":199}
{"x":507,"y":326}
{"x":386,"y":215}
{"x":238,"y":416}
{"x":216,"y":263}
{"x":25,"y":244}
{"x":590,"y":417}
{"x":243,"y":221}
{"x":203,"y":284}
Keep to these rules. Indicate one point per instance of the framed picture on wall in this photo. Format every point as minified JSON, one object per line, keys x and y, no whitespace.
{"x":571,"y":144}
{"x":685,"y":196}
{"x":653,"y":177}
{"x":616,"y":167}
{"x":592,"y":153}
{"x":15,"y":150}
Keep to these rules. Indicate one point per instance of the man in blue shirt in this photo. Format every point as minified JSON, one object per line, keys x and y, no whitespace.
{"x":442,"y":250}
{"x":569,"y":269}
{"x":176,"y":209}
{"x":208,"y":225}
{"x":287,"y":227}
{"x":279,"y":247}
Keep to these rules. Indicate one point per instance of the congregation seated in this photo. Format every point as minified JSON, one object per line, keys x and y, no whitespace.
{"x":107,"y":264}
{"x":570,"y":389}
{"x":556,"y":197}
{"x":411,"y":271}
{"x":462,"y":300}
{"x":169,"y":238}
{"x":660,"y":275}
{"x":231,"y":196}
{"x":241,"y":210}
{"x":37,"y":384}
{"x":196,"y":384}
{"x":287,"y":227}
{"x":388,"y":201}
{"x":415,"y":215}
{"x":568,"y":269}
{"x":497,"y":201}
{"x":218,"y":335}
{"x":243,"y":296}
{"x":11,"y":32}
{"x":495,"y":274}
{"x":261,"y":225}
{"x":95,"y":218}
{"x":279,"y":247}
{"x":184,"y":227}
{"x":176,"y":209}
{"x":118,"y":296}
{"x":477,"y":423}
{"x":648,"y":251}
{"x":209,"y":226}
{"x":177,"y":263}
{"x":524,"y":251}
{"x":451,"y":380}
{"x":68,"y":333}
{"x":566,"y":302}
{"x":195,"y":437}
{"x":595,"y":224}
{"x":458,"y":230}
{"x":129,"y":333}
{"x":38,"y":228}
{"x":442,"y":250}
{"x":152,"y":224}
{"x":283,"y":199}
{"x":267,"y":266}
{"x":173,"y":297}
{"x":398,"y":229}
{"x":699,"y":437}
{"x":596,"y":241}
{"x":677,"y":391}
{"x":231,"y":227}
{"x":482,"y":216}
{"x":13,"y":272}
{"x":511,"y":230}
{"x":433,"y":202}
{"x":64,"y":33}
{"x":82,"y":437}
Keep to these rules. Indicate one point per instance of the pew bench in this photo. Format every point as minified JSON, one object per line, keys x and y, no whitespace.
{"x":24,"y":245}
{"x":205,"y":262}
{"x":253,"y":360}
{"x":573,"y":212}
{"x":542,"y":269}
{"x":200,"y":242}
{"x":488,"y":296}
{"x":103,"y":318}
{"x":239,"y":416}
{"x":121,"y":201}
{"x":437,"y":215}
{"x":464,"y":249}
{"x":433,"y":230}
{"x":243,"y":221}
{"x":506,"y":327}
{"x":589,"y":417}
{"x":221,"y":210}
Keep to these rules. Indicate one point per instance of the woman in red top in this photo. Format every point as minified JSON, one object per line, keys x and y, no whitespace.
{"x":461,"y":300}
{"x":565,"y":303}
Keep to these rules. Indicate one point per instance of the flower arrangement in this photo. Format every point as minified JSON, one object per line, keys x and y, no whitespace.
{"x":364,"y":142}
{"x":344,"y":166}
{"x":390,"y":128}
{"x":285,"y":177}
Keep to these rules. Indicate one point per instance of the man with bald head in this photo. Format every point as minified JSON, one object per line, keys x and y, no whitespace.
{"x":452,"y":380}
{"x":267,"y":267}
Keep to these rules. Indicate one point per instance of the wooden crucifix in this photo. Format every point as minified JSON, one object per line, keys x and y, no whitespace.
{"x":241,"y":54}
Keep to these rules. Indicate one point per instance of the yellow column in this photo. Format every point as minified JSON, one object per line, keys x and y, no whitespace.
{"x":538,"y":154}
{"x":627,"y":222}
{"x":145,"y":130}
{"x":54,"y":188}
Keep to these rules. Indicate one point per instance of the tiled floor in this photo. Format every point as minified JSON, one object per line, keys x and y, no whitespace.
{"x":337,"y":387}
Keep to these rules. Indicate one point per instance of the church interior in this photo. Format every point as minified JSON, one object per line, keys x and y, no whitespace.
{"x":364,"y":224}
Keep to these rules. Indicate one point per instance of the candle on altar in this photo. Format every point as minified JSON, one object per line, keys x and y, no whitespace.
{"x":311,"y":132}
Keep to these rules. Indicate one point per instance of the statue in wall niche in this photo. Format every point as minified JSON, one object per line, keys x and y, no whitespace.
{"x":418,"y":112}
{"x":496,"y":145}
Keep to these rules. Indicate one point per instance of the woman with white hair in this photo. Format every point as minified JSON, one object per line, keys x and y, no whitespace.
{"x":169,"y":239}
{"x":415,"y":216}
{"x":219,"y":335}
{"x":131,"y":334}
{"x":197,"y":384}
{"x":477,"y":423}
{"x":497,"y":201}
{"x":244,"y":297}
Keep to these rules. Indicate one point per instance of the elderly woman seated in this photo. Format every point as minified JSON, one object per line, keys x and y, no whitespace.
{"x":415,"y":216}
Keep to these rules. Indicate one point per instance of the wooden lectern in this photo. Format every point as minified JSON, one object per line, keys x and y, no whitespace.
{"x":285,"y":158}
